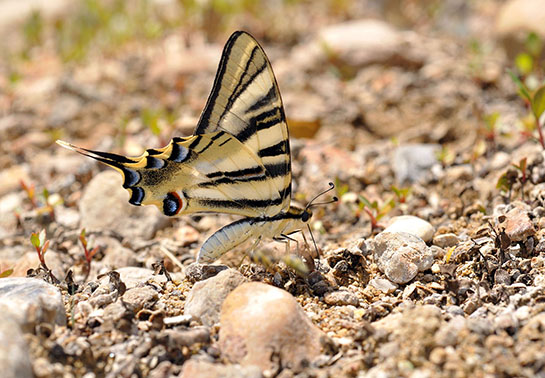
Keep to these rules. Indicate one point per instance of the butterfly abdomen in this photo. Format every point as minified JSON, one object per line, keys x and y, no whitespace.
{"x":241,"y":230}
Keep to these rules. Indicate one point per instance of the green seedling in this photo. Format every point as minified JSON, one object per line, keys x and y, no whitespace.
{"x":89,"y":253}
{"x":41,"y":245}
{"x":48,"y":203}
{"x":401,"y":194}
{"x":536,"y":102}
{"x":375,"y":211}
{"x":6,"y":273}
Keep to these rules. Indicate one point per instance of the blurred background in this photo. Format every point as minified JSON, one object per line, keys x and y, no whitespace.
{"x":367,"y":86}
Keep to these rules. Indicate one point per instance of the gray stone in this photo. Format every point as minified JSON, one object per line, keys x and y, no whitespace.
{"x":401,"y":255}
{"x":412,"y":225}
{"x":265,"y":326}
{"x":412,"y":162}
{"x":104,"y":206}
{"x":31,"y":301}
{"x":14,"y":354}
{"x":446,"y":240}
{"x":206,"y":297}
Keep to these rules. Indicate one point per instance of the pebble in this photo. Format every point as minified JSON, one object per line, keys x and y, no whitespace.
{"x":413,"y":162}
{"x":132,"y":276}
{"x":341,"y":298}
{"x":445,"y":240}
{"x":177,"y":338}
{"x":362,"y":42}
{"x":31,"y":301}
{"x":384,"y":285}
{"x":141,"y":297}
{"x":203,"y":369}
{"x":14,"y":353}
{"x":104,"y":206}
{"x":205,"y":299}
{"x":401,"y":255}
{"x":518,"y":225}
{"x":260,"y":324}
{"x":197,"y":272}
{"x":412,"y":225}
{"x":115,"y":254}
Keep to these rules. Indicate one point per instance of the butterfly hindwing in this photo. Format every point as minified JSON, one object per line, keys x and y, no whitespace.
{"x":212,"y":172}
{"x":245,"y":102}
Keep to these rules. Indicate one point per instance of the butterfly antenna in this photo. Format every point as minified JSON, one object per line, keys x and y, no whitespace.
{"x":311,"y":203}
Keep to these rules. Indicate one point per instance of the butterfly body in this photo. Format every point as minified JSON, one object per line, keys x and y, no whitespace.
{"x":240,"y":231}
{"x":238,"y":161}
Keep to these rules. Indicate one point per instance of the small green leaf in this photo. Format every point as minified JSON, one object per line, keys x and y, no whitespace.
{"x":503,"y":183}
{"x":524,"y":63}
{"x":35,"y":240}
{"x":523,"y":92}
{"x":538,"y":104}
{"x":6,"y":273}
{"x":365,"y":201}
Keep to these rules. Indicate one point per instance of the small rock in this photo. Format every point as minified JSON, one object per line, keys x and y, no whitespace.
{"x":204,"y":369}
{"x":14,"y":354}
{"x":141,"y":297}
{"x":132,"y":276}
{"x":177,"y":338}
{"x":413,"y":162}
{"x":518,"y":225}
{"x":260,"y":324}
{"x":412,"y":225}
{"x":384,"y":285}
{"x":104,"y":206}
{"x":31,"y":301}
{"x":445,"y":240}
{"x":401,"y":255}
{"x":115,"y":254}
{"x":197,"y":272}
{"x":177,"y":320}
{"x":206,"y":297}
{"x":341,"y":298}
{"x":357,"y":43}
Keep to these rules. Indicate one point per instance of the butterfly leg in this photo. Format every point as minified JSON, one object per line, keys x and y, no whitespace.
{"x":292,"y":261}
{"x":251,"y":252}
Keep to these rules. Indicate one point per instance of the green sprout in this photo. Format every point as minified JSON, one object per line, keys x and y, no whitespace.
{"x":375,"y":211}
{"x":89,"y":253}
{"x":41,"y":245}
{"x":536,"y":101}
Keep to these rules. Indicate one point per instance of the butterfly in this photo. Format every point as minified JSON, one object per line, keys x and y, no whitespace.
{"x":238,"y":160}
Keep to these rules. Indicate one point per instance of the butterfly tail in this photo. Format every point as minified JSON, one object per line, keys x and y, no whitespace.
{"x":131,"y":176}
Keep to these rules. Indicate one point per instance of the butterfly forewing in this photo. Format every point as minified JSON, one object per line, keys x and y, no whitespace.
{"x":245,"y":102}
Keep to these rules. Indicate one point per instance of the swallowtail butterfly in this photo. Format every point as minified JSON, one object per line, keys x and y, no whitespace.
{"x":238,"y":161}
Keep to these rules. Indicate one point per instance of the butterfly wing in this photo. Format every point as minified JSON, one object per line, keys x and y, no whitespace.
{"x":202,"y":173}
{"x":245,"y":102}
